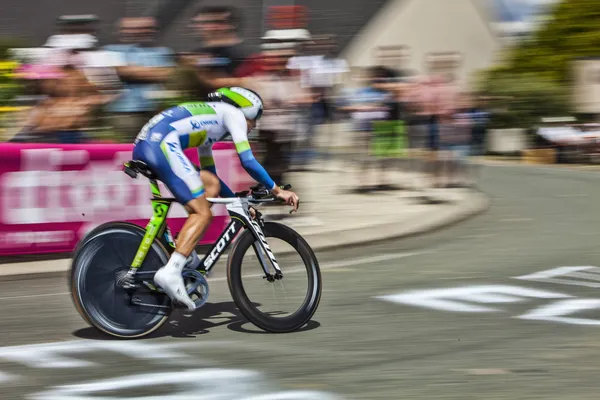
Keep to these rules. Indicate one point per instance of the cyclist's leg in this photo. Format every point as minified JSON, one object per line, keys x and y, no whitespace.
{"x":173,"y":168}
{"x":212,"y":184}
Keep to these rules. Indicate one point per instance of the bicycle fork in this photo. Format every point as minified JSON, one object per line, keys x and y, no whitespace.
{"x":261,"y":244}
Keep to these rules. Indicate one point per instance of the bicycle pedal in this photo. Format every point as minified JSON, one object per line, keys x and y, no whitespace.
{"x":183,"y":307}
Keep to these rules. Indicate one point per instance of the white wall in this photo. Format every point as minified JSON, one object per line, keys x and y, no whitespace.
{"x":428,"y":26}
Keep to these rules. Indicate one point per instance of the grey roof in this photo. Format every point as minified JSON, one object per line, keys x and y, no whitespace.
{"x":343,"y":18}
{"x":35,"y":20}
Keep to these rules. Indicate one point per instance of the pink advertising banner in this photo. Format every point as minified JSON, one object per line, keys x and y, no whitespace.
{"x":52,"y":195}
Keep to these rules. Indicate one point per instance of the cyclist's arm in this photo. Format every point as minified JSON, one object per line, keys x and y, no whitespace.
{"x":207,"y":162}
{"x":235,"y":123}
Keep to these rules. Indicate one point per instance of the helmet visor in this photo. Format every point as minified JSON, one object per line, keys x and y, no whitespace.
{"x":259,"y":114}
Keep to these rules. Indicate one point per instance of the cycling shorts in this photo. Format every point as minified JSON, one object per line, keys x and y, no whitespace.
{"x":166,"y":159}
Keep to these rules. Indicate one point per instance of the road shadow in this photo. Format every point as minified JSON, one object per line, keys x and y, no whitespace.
{"x":374,"y":189}
{"x":210,"y":316}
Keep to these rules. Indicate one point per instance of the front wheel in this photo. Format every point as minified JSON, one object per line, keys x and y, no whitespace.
{"x":308,"y":265}
{"x":100,"y":260}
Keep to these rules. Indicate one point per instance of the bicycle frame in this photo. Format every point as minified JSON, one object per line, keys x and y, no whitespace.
{"x":240,"y":218}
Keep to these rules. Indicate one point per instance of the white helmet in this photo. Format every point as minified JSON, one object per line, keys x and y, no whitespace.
{"x":248,"y":101}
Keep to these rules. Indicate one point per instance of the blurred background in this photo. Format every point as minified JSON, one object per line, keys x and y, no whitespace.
{"x":392,"y":78}
{"x":398,"y":94}
{"x":389,"y":80}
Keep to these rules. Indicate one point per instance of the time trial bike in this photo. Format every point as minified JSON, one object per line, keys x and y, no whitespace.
{"x":111,"y":276}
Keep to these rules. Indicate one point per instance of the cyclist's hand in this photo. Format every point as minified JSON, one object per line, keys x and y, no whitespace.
{"x":290,"y":198}
{"x":252,"y":212}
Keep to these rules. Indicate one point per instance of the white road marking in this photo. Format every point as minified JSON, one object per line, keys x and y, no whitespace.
{"x":557,"y":311}
{"x":189,"y":383}
{"x":56,"y":355}
{"x":566,"y":274}
{"x":462,"y":299}
{"x":208,"y":382}
{"x":214,"y":383}
{"x":292,"y":270}
{"x":4,"y":377}
{"x":446,"y":299}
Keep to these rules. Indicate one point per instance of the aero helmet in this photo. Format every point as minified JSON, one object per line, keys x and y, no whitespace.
{"x":248,"y":101}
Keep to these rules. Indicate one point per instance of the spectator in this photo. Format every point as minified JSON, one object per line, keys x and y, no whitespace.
{"x":459,"y":143}
{"x":186,"y":79}
{"x":74,"y":32}
{"x":423,"y":132}
{"x":366,"y":104}
{"x":78,"y":33}
{"x":433,"y":106}
{"x":281,"y":95}
{"x":68,"y":109}
{"x":143,"y":68}
{"x":217,"y":28}
{"x":480,"y":120}
{"x":320,"y":71}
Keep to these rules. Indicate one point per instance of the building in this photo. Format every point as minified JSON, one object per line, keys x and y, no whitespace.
{"x":456,"y":34}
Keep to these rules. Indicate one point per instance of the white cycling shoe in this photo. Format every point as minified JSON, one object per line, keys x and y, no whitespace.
{"x":171,"y":281}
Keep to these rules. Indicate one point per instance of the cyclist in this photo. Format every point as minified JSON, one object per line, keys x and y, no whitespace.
{"x":160,"y":145}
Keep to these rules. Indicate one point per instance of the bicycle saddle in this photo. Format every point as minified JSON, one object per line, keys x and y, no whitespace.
{"x":134,"y":167}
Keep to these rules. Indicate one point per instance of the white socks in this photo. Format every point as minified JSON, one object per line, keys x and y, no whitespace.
{"x":176,"y":262}
{"x":193,"y":261}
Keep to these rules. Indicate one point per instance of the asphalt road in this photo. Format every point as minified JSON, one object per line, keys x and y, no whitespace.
{"x":442,"y":316}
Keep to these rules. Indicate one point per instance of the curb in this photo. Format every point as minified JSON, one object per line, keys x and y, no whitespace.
{"x":391,"y":231}
{"x":477,"y":204}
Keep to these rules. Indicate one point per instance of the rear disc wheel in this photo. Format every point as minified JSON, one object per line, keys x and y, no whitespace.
{"x":102,"y":258}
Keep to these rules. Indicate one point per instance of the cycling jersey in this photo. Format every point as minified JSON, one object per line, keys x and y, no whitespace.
{"x":161,"y":142}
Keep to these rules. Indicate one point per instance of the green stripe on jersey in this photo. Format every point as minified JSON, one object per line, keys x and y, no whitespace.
{"x":242,"y":146}
{"x":199,"y":108}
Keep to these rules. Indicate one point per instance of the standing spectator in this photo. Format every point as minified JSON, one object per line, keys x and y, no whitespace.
{"x":434,"y":98}
{"x":366,"y":105}
{"x":320,"y":73}
{"x":186,"y":79}
{"x":217,"y":28}
{"x":459,"y":143}
{"x":281,"y":95}
{"x":445,"y":107}
{"x":143,"y":69}
{"x":74,"y":32}
{"x":423,"y":101}
{"x":480,"y":119}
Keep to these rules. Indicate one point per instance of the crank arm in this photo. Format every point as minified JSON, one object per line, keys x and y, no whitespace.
{"x":138,"y":302}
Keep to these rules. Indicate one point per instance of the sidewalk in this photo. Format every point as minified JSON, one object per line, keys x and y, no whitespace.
{"x":333,"y":216}
{"x":336,"y":216}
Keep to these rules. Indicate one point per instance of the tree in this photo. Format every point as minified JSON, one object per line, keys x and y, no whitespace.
{"x":535,"y":77}
{"x":572,"y":31}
